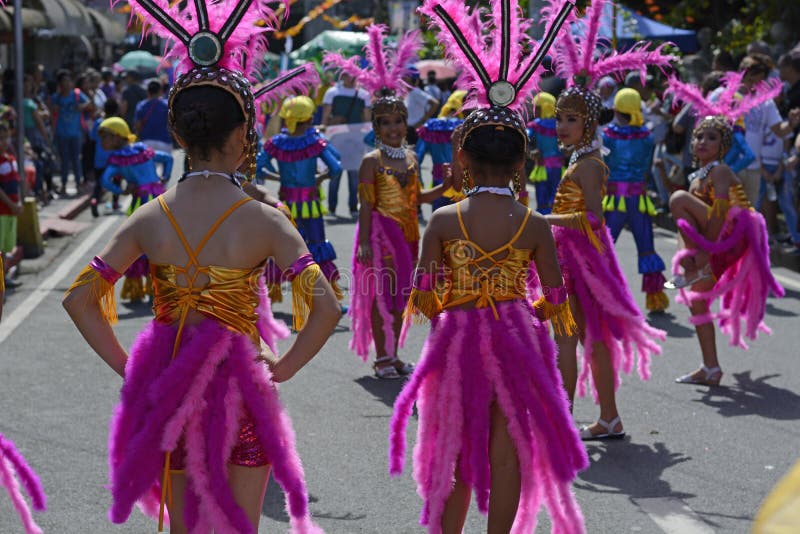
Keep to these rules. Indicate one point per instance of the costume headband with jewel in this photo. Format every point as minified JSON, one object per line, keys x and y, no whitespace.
{"x":722,"y":125}
{"x":494,"y":70}
{"x":384,"y":69}
{"x":216,"y":44}
{"x":729,"y":102}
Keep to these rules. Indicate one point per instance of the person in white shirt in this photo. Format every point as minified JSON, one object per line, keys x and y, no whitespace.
{"x":345,"y":104}
{"x":421,"y":106}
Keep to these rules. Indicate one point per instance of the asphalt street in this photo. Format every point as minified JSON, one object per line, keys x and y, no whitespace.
{"x":696,"y":460}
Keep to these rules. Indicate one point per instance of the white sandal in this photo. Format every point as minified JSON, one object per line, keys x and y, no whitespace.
{"x":386,"y":372}
{"x":712,"y":377}
{"x":680,"y":281}
{"x":586,"y":434}
{"x":407,"y":368}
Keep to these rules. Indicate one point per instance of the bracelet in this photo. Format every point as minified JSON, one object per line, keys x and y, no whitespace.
{"x":423,"y":281}
{"x":555,"y":295}
{"x":299,"y":265}
{"x":106,"y":272}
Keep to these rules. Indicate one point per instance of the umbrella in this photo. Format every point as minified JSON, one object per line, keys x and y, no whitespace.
{"x":443,"y":69}
{"x":348,"y":43}
{"x":140,"y":60}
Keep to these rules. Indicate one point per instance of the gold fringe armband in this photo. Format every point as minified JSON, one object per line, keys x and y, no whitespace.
{"x":553,"y":306}
{"x":423,"y":303}
{"x":366,"y":192}
{"x":100,"y":278}
{"x":584,"y":225}
{"x":304,"y":274}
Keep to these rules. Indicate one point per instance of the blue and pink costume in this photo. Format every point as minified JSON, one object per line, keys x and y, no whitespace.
{"x":542,"y":133}
{"x":297,"y":166}
{"x":434,"y":139}
{"x":627,"y":203}
{"x":136,"y":164}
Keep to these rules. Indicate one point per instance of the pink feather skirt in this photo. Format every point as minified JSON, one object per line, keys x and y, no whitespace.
{"x":739,"y":259}
{"x":611,"y":314}
{"x":201,"y":399}
{"x":469,"y":362}
{"x":385,"y":282}
{"x":13,"y":470}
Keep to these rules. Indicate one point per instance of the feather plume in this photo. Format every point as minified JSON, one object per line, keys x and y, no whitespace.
{"x":295,"y":81}
{"x":386,"y":67}
{"x":489,"y":49}
{"x":579,"y":52}
{"x":729,"y":102}
{"x":246,"y":41}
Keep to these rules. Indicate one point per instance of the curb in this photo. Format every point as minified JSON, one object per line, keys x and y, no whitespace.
{"x":777,"y":257}
{"x":75,"y":207}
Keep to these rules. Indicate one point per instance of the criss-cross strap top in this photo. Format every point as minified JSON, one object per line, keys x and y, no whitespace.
{"x":569,"y":195}
{"x":396,"y":197}
{"x":230,"y":295}
{"x":485,"y":277}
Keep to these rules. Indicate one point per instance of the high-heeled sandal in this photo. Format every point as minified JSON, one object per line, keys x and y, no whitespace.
{"x":586,"y":433}
{"x":712,"y":377}
{"x":406,"y":369}
{"x":679,"y":281}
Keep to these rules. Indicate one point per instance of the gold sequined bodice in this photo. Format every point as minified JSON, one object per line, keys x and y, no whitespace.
{"x":230,"y":295}
{"x":569,"y":195}
{"x":396,"y":195}
{"x":482,"y":277}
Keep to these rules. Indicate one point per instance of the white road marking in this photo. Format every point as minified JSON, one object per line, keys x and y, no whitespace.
{"x":27,"y":306}
{"x":673,"y":516}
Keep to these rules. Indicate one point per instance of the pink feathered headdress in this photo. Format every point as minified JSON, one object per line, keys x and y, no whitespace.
{"x":729,"y":103}
{"x":386,"y":67}
{"x":217,"y":44}
{"x":221,"y":33}
{"x":492,"y":51}
{"x":575,"y":53}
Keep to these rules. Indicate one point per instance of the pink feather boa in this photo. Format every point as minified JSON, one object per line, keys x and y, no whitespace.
{"x":469,"y":361}
{"x":611,"y":314}
{"x":371,"y":285}
{"x":159,"y":405}
{"x":740,"y":262}
{"x":11,"y":463}
{"x":269,"y":328}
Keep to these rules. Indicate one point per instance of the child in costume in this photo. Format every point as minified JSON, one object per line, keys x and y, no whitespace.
{"x":630,"y":154}
{"x":10,"y":205}
{"x":135,"y":164}
{"x":542,"y":133}
{"x":13,"y":466}
{"x":199,"y":425}
{"x":297,"y":150}
{"x":493,"y":417}
{"x":387,"y":234}
{"x":725,"y":252}
{"x":611,"y":328}
{"x":434,"y":138}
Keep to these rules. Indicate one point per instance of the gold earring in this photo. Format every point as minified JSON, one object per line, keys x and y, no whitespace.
{"x":468,"y":184}
{"x":517,"y":183}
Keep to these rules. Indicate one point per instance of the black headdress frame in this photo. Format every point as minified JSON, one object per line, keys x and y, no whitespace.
{"x":501,"y":93}
{"x":206,"y":49}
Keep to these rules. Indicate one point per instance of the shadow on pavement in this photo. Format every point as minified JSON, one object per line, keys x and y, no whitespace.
{"x":385,"y":391}
{"x":751,"y":396}
{"x":632,"y":469}
{"x":133,"y":310}
{"x":666,"y":322}
{"x":778,"y":312}
{"x":274,"y":502}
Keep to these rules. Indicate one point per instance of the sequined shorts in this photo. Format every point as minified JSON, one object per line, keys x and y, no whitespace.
{"x":246,"y":452}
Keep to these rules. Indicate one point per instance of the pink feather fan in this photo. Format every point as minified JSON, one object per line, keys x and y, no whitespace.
{"x":575,"y":53}
{"x":496,"y":69}
{"x":239,"y":27}
{"x":387,"y":66}
{"x":729,"y":102}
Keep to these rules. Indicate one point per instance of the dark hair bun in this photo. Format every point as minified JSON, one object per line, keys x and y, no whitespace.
{"x":204,"y":117}
{"x":495,"y":145}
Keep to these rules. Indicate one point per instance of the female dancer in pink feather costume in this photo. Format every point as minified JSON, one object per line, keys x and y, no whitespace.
{"x":12,"y":463}
{"x":387,"y":234}
{"x":612,"y":329}
{"x":199,"y":425}
{"x":725,"y":253}
{"x":493,"y":416}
